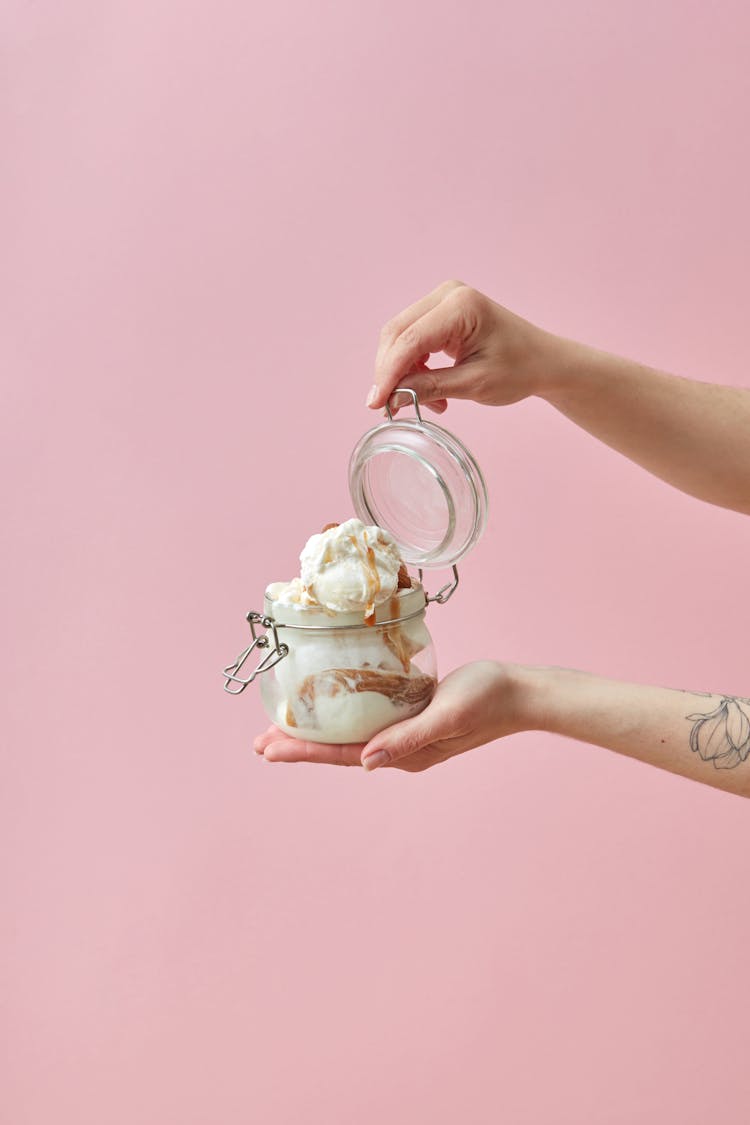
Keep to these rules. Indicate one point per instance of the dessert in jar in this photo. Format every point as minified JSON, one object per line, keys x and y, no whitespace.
{"x":359,"y":654}
{"x":343,"y":648}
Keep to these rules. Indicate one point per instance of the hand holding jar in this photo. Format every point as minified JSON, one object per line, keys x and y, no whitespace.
{"x":471,"y":706}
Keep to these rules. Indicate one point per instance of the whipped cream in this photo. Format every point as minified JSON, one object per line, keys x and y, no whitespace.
{"x":348,"y":568}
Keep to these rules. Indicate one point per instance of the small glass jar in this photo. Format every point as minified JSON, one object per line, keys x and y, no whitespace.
{"x":340,"y":680}
{"x":329,"y":677}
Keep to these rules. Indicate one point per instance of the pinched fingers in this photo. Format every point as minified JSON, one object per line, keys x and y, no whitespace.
{"x":448,"y":324}
{"x":434,"y":386}
{"x":396,"y":325}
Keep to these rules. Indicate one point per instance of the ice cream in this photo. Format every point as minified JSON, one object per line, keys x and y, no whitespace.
{"x":350,"y":567}
{"x":346,"y":568}
{"x":355,"y":624}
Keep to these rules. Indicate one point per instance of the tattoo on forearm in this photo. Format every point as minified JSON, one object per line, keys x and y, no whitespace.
{"x":722,"y":736}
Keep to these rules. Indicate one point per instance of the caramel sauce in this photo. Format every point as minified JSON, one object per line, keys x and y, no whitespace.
{"x":373,"y":570}
{"x":395,"y":639}
{"x":410,"y":690}
{"x":373,"y":578}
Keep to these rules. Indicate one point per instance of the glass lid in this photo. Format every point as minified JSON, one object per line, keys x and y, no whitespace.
{"x":421,"y":484}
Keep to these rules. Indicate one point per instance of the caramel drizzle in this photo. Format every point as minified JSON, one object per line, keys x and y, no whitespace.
{"x":394,"y":637}
{"x":371,"y":573}
{"x":374,"y":586}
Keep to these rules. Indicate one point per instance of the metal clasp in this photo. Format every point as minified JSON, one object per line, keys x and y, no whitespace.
{"x":414,"y":402}
{"x":445,"y":592}
{"x":272,"y":657}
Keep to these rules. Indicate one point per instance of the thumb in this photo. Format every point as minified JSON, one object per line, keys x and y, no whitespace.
{"x":397,"y":742}
{"x":431,"y":384}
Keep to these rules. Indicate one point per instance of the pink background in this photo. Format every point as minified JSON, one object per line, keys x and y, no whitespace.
{"x":208,"y":211}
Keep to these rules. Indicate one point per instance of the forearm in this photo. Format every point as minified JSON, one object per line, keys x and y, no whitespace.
{"x":701,"y":736}
{"x":693,"y":435}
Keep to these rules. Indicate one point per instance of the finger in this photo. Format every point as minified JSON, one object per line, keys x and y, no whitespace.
{"x":439,"y":406}
{"x":396,"y":325}
{"x":263,"y":740}
{"x":398,"y":742}
{"x":433,"y":385}
{"x":396,"y":401}
{"x":443,"y":328}
{"x":285,"y":749}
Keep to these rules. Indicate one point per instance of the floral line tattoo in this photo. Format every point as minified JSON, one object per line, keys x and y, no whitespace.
{"x":722,"y":736}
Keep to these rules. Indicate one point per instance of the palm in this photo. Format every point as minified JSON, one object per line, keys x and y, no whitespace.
{"x":279,"y":747}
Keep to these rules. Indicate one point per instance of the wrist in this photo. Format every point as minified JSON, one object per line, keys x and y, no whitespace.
{"x":560,"y":368}
{"x":539,"y":690}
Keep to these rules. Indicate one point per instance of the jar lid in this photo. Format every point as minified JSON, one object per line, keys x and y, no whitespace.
{"x":420,"y":483}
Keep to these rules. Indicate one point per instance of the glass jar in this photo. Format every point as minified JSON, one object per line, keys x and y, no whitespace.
{"x":329,"y":677}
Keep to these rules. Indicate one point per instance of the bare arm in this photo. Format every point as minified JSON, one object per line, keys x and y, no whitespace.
{"x":705,"y":737}
{"x":694,"y":435}
{"x":701,"y":736}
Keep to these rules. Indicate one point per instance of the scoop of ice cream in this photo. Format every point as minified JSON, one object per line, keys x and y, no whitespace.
{"x":291,"y":593}
{"x":350,"y":567}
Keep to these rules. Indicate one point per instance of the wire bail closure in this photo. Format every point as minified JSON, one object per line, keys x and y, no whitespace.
{"x":414,"y":402}
{"x":445,"y":592}
{"x":271,"y":658}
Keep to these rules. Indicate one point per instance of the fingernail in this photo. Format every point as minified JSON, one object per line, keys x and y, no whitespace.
{"x":372,"y":394}
{"x":372,"y":761}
